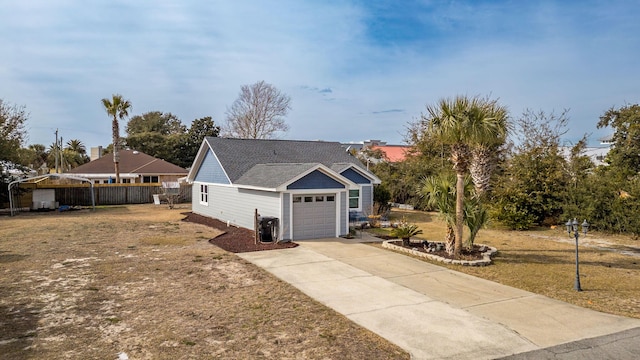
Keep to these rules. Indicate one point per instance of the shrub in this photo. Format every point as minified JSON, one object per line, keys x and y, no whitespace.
{"x":406,"y":231}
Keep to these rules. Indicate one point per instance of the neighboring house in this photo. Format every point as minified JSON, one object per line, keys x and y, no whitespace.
{"x":597,"y":154}
{"x":392,"y":153}
{"x":310,"y":186}
{"x":135,"y":167}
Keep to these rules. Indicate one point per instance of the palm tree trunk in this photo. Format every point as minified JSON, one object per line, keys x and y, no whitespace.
{"x":406,"y":242}
{"x":117,"y":168}
{"x":115,"y":128}
{"x":481,"y":167}
{"x":449,"y":240}
{"x":459,"y":213}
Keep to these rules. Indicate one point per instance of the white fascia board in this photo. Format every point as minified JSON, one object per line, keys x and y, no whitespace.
{"x":250,"y":187}
{"x":107,"y":175}
{"x":195,"y":166}
{"x":315,"y":191}
{"x":246,"y":187}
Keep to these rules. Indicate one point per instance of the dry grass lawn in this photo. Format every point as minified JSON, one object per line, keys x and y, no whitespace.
{"x":137,"y":280}
{"x":543,"y":262}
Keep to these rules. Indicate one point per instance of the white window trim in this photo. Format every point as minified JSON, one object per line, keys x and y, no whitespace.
{"x":359,"y":208}
{"x":204,"y":196}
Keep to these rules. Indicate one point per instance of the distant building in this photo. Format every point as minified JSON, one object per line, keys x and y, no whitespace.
{"x":390,"y":153}
{"x":606,"y":140}
{"x":597,"y":154}
{"x":135,"y":167}
{"x":393,"y":153}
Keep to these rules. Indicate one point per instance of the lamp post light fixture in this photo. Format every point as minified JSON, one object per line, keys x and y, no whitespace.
{"x":572,"y":226}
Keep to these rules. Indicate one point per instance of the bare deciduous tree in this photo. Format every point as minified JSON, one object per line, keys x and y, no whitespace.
{"x":258,"y":112}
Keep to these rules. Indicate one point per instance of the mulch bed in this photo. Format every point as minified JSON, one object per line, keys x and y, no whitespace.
{"x":476,"y":253}
{"x":235,"y":239}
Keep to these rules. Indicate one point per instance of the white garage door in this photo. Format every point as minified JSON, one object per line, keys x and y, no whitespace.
{"x":314,"y":216}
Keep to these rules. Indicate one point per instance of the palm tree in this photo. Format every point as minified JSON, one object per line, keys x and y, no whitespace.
{"x":77,"y":146}
{"x":483,"y":154}
{"x":476,"y":217}
{"x":440,"y":194}
{"x":54,"y":155}
{"x":406,"y":231}
{"x":76,"y":152}
{"x":462,"y":123}
{"x":40,"y":155}
{"x":118,"y":108}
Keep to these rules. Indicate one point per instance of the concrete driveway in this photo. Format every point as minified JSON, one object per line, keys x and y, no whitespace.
{"x":436,"y":313}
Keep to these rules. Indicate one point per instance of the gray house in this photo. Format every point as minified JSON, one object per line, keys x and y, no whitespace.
{"x":311,"y":187}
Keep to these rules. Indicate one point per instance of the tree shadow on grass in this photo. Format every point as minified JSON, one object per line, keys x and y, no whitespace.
{"x":563,"y":257}
{"x":18,"y":328}
{"x":7,"y":257}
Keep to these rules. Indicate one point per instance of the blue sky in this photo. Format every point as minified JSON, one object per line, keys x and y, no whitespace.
{"x":355,"y":70}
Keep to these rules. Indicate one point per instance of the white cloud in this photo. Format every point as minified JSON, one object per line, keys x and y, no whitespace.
{"x":344,"y":64}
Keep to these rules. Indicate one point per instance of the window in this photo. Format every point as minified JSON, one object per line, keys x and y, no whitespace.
{"x":319,"y":198}
{"x":150,"y":179}
{"x":331,"y":198}
{"x":354,"y":199}
{"x":126,"y":181}
{"x":204,"y":194}
{"x":308,"y":199}
{"x":297,"y":199}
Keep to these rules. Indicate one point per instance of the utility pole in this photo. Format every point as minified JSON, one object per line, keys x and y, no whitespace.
{"x":55,"y":148}
{"x":61,"y":155}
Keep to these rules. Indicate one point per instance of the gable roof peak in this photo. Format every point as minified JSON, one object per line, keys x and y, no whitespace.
{"x":237,"y":156}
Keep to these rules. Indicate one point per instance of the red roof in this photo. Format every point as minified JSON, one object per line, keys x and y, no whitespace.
{"x":393,"y":153}
{"x":132,"y":162}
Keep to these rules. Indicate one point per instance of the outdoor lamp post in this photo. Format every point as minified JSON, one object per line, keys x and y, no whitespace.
{"x":573,"y":226}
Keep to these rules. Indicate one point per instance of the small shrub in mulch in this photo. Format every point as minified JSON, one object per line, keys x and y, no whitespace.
{"x":476,"y":253}
{"x":235,"y":239}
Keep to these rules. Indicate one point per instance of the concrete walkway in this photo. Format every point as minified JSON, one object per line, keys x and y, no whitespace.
{"x":433,"y":312}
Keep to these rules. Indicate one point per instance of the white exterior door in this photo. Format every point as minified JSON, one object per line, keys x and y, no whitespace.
{"x":314,"y":216}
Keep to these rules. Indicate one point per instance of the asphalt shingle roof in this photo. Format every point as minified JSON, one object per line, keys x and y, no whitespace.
{"x":239,"y":156}
{"x":272,"y":175}
{"x":131,"y":161}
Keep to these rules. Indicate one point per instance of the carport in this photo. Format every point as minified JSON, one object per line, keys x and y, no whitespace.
{"x":36,"y":179}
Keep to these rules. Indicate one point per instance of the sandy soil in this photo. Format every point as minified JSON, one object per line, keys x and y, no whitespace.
{"x":139,"y":281}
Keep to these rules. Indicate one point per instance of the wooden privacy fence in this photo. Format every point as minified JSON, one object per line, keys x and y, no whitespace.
{"x":111,"y":194}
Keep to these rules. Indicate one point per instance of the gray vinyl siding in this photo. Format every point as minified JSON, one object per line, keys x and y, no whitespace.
{"x":344,"y":213}
{"x":315,"y":180}
{"x":196,"y":207}
{"x":366,"y":193}
{"x":285,"y":222}
{"x":211,"y":171}
{"x":237,"y":206}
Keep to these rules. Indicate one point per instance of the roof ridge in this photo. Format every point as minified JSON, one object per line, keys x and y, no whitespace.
{"x":141,"y":166}
{"x":278,"y":140}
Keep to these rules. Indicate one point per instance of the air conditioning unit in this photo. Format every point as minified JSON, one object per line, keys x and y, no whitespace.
{"x":268,"y":229}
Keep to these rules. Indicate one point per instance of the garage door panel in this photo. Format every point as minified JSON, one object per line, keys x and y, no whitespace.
{"x":314,"y":217}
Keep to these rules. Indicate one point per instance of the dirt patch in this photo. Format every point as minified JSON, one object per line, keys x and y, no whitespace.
{"x":235,"y":239}
{"x":138,"y":280}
